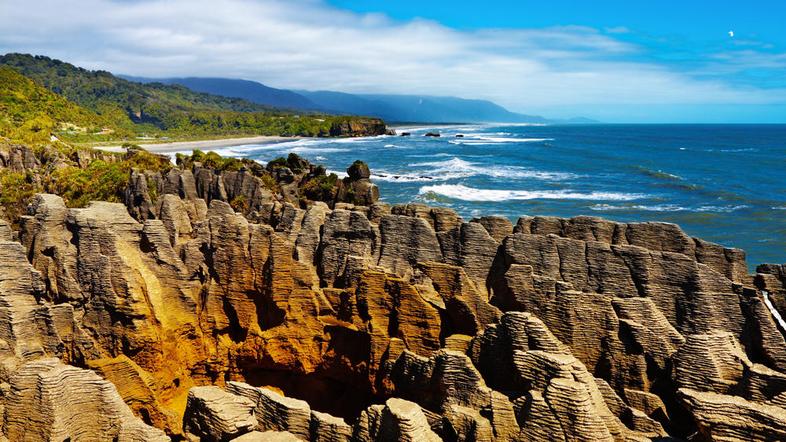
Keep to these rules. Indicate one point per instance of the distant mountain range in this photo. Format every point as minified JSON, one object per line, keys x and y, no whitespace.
{"x":391,"y":108}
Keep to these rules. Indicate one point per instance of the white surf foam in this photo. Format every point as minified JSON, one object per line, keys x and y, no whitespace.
{"x":236,"y":152}
{"x":668,"y":208}
{"x":487,"y":141}
{"x":308,"y":145}
{"x":738,"y":150}
{"x":339,"y":173}
{"x":459,"y":191}
{"x":458,"y":168}
{"x":722,"y":209}
{"x":306,"y":149}
{"x":513,"y":140}
{"x":651,"y":208}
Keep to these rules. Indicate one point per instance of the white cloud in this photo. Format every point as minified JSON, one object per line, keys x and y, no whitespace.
{"x":307,"y":44}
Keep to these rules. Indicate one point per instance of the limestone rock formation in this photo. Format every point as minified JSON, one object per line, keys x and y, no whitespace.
{"x":48,"y":400}
{"x":215,"y":415}
{"x":732,"y":418}
{"x":225,"y":306}
{"x":274,"y":411}
{"x":398,"y":420}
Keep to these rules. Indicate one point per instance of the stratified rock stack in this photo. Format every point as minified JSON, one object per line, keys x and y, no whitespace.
{"x":215,"y":415}
{"x":225,"y":308}
{"x":48,"y":400}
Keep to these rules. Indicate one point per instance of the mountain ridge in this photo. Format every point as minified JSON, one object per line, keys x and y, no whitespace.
{"x":390,"y":107}
{"x":252,"y":91}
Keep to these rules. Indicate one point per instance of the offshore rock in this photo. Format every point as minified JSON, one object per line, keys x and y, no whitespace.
{"x":358,"y":128}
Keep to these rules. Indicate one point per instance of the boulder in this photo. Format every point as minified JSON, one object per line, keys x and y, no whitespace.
{"x":212,"y":414}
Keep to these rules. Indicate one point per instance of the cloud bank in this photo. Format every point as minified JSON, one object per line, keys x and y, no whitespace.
{"x":306,"y":44}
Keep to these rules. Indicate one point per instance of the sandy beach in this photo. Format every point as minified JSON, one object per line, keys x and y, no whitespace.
{"x":179,"y":146}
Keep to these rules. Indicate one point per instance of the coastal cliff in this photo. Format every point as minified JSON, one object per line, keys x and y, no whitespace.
{"x":224,"y":300}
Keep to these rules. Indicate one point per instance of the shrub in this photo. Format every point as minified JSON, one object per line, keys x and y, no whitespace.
{"x":296,"y":163}
{"x":16,"y":188}
{"x":239,"y":204}
{"x":270,"y":183}
{"x":277,"y":163}
{"x":321,"y":188}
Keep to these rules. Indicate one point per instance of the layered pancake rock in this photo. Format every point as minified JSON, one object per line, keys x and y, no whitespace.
{"x":300,"y":320}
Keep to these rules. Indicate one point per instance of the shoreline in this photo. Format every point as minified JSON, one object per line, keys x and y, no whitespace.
{"x":178,"y":146}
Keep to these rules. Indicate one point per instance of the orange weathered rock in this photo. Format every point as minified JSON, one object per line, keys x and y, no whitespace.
{"x":569,"y":328}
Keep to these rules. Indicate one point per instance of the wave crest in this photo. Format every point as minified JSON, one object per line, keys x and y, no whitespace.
{"x":461,"y":192}
{"x":458,"y":168}
{"x":668,"y":208}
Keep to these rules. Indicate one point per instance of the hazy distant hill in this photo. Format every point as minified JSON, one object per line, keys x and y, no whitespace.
{"x":392,"y":108}
{"x":419,"y":108}
{"x":245,"y":89}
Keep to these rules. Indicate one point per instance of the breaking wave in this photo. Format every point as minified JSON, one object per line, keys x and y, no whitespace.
{"x":481,"y":141}
{"x":461,"y":192}
{"x":667,"y":208}
{"x":458,"y":168}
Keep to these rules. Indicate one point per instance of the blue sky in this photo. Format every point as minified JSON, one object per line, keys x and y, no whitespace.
{"x":696,"y":19}
{"x":680,"y":34}
{"x":615,"y":61}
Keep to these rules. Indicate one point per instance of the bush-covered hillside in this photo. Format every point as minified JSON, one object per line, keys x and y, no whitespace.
{"x":31,"y":113}
{"x":156,"y":109}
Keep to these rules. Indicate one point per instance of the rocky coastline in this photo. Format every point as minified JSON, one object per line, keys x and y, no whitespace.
{"x":234,"y":301}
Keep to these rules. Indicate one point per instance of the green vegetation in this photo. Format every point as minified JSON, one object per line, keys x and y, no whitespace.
{"x":16,"y":189}
{"x":104,"y":178}
{"x":31,"y":113}
{"x":41,"y":98}
{"x":277,"y":163}
{"x":321,"y":188}
{"x":216,"y":161}
{"x":239,"y":204}
{"x":128,"y":109}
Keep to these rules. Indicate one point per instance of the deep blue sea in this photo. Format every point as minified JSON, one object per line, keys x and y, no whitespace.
{"x":723,"y":183}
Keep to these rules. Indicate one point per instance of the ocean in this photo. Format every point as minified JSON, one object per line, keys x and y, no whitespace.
{"x":722,"y":183}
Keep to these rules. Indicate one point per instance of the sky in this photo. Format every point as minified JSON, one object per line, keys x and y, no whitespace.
{"x":615,"y":61}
